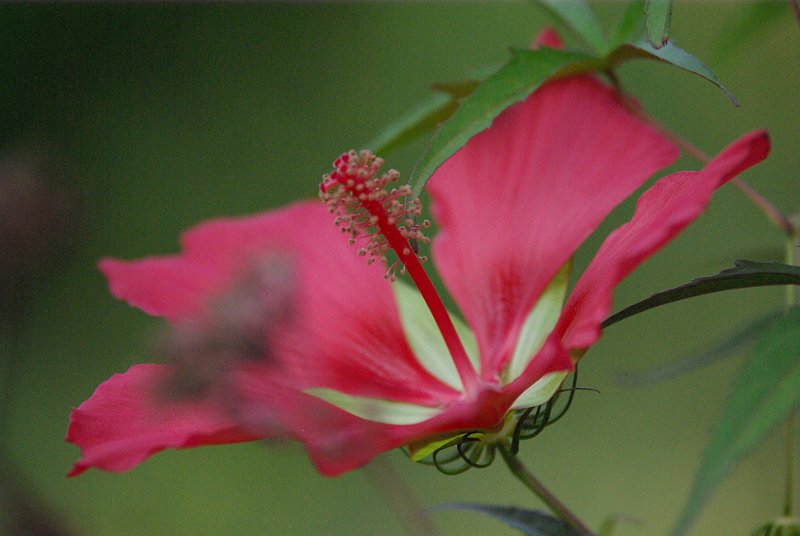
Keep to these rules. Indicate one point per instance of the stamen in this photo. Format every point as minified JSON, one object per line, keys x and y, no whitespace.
{"x":380,"y":219}
{"x":364,"y":205}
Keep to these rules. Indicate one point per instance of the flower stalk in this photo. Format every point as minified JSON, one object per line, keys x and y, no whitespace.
{"x":522,"y":473}
{"x":791,"y":301}
{"x":773,"y":213}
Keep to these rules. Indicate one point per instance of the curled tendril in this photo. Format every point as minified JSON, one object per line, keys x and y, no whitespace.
{"x":468,"y":451}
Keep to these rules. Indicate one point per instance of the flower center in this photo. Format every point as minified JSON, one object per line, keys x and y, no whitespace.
{"x":385,"y":219}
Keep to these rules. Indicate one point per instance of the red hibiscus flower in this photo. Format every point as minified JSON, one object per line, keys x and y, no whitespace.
{"x":359,"y":365}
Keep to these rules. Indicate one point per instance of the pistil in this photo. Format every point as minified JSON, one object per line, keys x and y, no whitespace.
{"x":366,"y":210}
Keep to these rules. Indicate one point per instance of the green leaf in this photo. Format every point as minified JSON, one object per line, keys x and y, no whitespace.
{"x":413,"y":125}
{"x":766,"y":390}
{"x":459,"y":88}
{"x":520,"y":77}
{"x":577,"y":16}
{"x":670,"y":54}
{"x":517,"y":79}
{"x":742,"y":337}
{"x":528,"y":522}
{"x":745,"y":274}
{"x":630,"y":25}
{"x":658,"y":13}
{"x":424,"y":118}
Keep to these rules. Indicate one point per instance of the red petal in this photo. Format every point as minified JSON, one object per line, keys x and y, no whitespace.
{"x":121,"y":424}
{"x":170,"y":286}
{"x":214,"y":253}
{"x":520,"y":197}
{"x":345,"y":332}
{"x":338,"y":442}
{"x":661,"y":213}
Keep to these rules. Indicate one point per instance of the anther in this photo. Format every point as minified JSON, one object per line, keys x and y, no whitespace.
{"x":367,"y":210}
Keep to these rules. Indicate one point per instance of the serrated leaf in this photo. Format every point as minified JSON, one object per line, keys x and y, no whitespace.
{"x":522,"y":75}
{"x":630,"y":25}
{"x":457,"y":89}
{"x":514,"y":81}
{"x":658,"y":14}
{"x":670,"y":54}
{"x":528,"y":522}
{"x":740,"y":338}
{"x":577,"y":16}
{"x":744,"y":274}
{"x":766,"y":390}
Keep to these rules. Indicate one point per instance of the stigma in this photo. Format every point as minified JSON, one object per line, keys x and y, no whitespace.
{"x":376,"y":215}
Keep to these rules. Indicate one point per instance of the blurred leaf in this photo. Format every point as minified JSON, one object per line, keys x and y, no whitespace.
{"x":517,"y":79}
{"x":630,"y":25}
{"x":750,"y":19}
{"x":766,"y":390}
{"x":744,"y":274}
{"x":740,"y":338}
{"x":424,"y":118}
{"x":577,"y":16}
{"x":414,"y":124}
{"x":658,"y":13}
{"x":670,"y":54}
{"x":528,"y":522}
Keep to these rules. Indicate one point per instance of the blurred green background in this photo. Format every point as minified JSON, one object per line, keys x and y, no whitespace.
{"x":158,"y":116}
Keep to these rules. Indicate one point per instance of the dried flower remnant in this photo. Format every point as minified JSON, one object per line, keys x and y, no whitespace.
{"x":236,"y":329}
{"x":367,"y":365}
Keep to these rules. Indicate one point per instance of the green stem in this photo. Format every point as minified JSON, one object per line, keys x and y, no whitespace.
{"x":519,"y":470}
{"x":400,"y":497}
{"x":788,"y":504}
{"x":791,"y":259}
{"x":791,"y":301}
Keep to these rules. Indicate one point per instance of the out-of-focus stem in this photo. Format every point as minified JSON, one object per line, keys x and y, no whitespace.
{"x":788,"y":504}
{"x":791,"y":301}
{"x":792,"y":245}
{"x":8,"y":354}
{"x":400,"y":497}
{"x":773,"y":213}
{"x":795,"y":9}
{"x":519,"y":470}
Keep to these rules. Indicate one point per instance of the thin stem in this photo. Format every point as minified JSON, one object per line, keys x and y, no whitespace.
{"x":791,"y":301}
{"x":522,"y":473}
{"x":773,"y":213}
{"x":795,"y":9}
{"x":792,"y":246}
{"x":788,"y":504}
{"x":9,"y":342}
{"x":400,"y":497}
